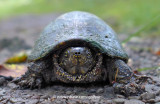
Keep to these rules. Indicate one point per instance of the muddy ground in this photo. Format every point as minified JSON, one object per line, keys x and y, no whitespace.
{"x":19,"y":33}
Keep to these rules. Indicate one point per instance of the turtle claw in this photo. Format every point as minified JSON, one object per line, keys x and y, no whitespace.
{"x":140,"y":79}
{"x":136,"y":85}
{"x":128,"y":89}
{"x":16,"y":80}
{"x":38,"y":83}
{"x":29,"y":82}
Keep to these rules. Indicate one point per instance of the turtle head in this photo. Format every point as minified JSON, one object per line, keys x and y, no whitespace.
{"x":77,"y":60}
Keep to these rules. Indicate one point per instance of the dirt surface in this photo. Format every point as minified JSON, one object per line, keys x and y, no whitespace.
{"x":19,"y":33}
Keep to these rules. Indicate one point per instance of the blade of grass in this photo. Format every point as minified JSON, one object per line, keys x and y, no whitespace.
{"x":150,"y":24}
{"x":148,"y":68}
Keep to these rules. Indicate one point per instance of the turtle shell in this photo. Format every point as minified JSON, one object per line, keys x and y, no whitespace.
{"x":77,"y":26}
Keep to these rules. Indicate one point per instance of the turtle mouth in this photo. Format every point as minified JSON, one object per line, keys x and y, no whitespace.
{"x":90,"y":76}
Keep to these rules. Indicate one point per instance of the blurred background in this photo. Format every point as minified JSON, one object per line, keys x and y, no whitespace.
{"x":124,"y":16}
{"x":137,"y":23}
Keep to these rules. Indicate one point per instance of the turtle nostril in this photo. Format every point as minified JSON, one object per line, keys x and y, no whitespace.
{"x":77,"y":53}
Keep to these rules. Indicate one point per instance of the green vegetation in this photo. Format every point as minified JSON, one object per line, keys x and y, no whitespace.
{"x":148,"y":68}
{"x":154,"y":22}
{"x":125,"y":16}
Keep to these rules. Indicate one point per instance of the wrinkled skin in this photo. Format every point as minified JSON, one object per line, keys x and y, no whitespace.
{"x":80,"y":65}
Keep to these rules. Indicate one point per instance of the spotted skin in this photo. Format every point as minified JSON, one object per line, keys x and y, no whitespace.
{"x":91,"y":76}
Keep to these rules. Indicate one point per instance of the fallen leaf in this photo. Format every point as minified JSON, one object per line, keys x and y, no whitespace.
{"x":157,"y":52}
{"x":136,"y":72}
{"x":18,"y":58}
{"x":12,"y":70}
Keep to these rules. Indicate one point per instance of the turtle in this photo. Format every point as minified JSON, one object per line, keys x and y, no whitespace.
{"x":77,"y":48}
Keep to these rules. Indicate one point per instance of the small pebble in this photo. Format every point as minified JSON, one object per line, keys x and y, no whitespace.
{"x":71,"y":102}
{"x":134,"y":97}
{"x":12,"y":85}
{"x":157,"y":99}
{"x":119,"y":101}
{"x":133,"y":101}
{"x":41,"y":100}
{"x":27,"y":96}
{"x":92,"y":91}
{"x":150,"y":101}
{"x":158,"y":84}
{"x":109,"y":92}
{"x":4,"y":101}
{"x":147,"y":96}
{"x":35,"y":97}
{"x":45,"y":96}
{"x":120,"y":96}
{"x":100,"y":90}
{"x":32,"y":101}
{"x":15,"y":100}
{"x":2,"y":81}
{"x":158,"y":93}
{"x":85,"y":101}
{"x":2,"y":92}
{"x":69,"y":92}
{"x":6,"y":97}
{"x":109,"y":102}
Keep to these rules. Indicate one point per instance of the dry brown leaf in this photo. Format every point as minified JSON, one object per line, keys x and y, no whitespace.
{"x":12,"y":70}
{"x":158,"y":52}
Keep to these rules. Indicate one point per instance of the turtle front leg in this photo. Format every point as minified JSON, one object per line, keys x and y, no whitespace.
{"x":125,"y":81}
{"x":29,"y":80}
{"x":34,"y":77}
